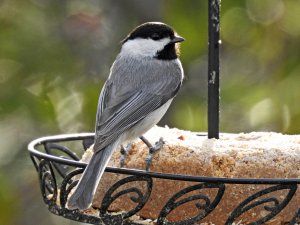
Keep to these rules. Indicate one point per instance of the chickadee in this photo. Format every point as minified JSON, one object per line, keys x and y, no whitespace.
{"x":142,"y":83}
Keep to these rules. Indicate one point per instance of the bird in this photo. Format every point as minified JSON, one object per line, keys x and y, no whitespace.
{"x":143,"y":80}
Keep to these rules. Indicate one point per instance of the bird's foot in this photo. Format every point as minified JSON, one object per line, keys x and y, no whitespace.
{"x":124,"y":153}
{"x":152,"y":150}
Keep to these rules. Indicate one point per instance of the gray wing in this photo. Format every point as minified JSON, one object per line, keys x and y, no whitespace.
{"x":101,"y":102}
{"x":118,"y":113}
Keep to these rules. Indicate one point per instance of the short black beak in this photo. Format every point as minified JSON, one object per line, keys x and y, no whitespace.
{"x":177,"y":39}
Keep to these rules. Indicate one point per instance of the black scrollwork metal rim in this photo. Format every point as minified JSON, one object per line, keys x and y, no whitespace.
{"x":80,"y":136}
{"x":58,"y":176}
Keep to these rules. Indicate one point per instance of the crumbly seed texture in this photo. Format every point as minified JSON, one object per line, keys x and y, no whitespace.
{"x":249,"y":155}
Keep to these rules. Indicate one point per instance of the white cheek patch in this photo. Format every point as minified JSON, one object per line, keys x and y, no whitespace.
{"x":144,"y":47}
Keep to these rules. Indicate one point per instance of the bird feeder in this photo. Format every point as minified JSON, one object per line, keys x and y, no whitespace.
{"x":59,"y":167}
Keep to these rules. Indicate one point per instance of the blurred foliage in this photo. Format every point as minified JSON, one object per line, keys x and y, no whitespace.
{"x":55,"y":57}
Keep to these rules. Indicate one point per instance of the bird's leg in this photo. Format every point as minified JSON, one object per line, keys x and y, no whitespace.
{"x":152,"y":150}
{"x":124,"y":152}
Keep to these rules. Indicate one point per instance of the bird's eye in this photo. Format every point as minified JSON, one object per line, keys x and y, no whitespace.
{"x":155,"y":36}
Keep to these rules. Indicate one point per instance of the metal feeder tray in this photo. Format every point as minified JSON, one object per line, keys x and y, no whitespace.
{"x":57,"y":172}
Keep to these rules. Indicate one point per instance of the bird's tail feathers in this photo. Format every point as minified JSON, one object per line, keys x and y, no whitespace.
{"x":86,"y":188}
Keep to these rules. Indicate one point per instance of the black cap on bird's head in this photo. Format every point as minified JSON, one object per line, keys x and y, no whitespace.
{"x":157,"y":31}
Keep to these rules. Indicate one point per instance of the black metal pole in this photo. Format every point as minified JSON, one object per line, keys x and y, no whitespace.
{"x":213,"y":67}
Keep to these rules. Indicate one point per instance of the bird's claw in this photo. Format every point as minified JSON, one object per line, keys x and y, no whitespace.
{"x":124,"y":153}
{"x":152,"y":150}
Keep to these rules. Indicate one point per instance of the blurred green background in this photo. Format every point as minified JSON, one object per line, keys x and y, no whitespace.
{"x":55,"y":56}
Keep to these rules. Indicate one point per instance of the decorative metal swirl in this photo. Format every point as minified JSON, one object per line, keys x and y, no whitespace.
{"x":64,"y":190}
{"x":61,"y":169}
{"x":246,"y":205}
{"x":140,"y":198}
{"x":47,"y":181}
{"x":55,"y":191}
{"x":205,"y":208}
